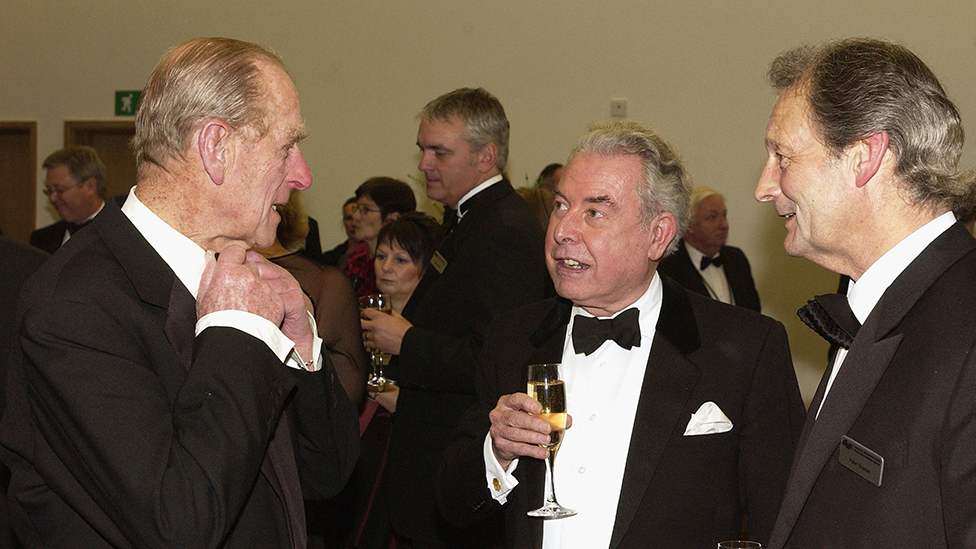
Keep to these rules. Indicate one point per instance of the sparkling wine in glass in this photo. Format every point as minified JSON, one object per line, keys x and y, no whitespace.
{"x":545,"y":386}
{"x":380,"y":302}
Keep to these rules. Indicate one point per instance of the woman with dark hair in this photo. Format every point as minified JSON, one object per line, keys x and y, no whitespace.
{"x":403,"y":252}
{"x":379,"y":200}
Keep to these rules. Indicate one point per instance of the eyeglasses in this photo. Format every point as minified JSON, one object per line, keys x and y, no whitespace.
{"x":366,"y":209}
{"x":53,"y":192}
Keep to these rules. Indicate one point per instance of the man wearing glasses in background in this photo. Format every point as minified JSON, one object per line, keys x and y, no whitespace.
{"x":75,"y":185}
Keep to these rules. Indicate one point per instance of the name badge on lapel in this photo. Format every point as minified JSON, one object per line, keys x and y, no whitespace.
{"x":438,"y":262}
{"x":860,"y":459}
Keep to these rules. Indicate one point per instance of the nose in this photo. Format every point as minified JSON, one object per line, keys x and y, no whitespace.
{"x":425,"y":160}
{"x":562,"y":228}
{"x":768,"y":187}
{"x":301,"y":175}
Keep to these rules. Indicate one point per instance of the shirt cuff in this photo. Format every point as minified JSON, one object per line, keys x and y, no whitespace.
{"x":266,"y":331}
{"x":500,"y":481}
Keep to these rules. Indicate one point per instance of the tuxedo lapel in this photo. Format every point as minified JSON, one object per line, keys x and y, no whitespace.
{"x":668,"y":383}
{"x":870,"y":354}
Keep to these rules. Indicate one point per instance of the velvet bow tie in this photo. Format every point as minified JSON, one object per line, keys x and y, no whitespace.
{"x":706,"y":261}
{"x":589,"y":333}
{"x":830,"y":316}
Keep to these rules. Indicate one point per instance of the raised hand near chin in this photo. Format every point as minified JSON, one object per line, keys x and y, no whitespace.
{"x":295,"y":323}
{"x":229,"y":282}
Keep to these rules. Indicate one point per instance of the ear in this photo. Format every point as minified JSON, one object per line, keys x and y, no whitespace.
{"x":868,"y":154}
{"x":215,"y":148}
{"x":663,"y":229}
{"x":487,"y":157}
{"x":90,"y":186}
{"x":390,"y":217}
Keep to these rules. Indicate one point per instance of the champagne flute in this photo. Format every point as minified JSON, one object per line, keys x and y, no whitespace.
{"x":545,"y":386}
{"x":382,"y":303}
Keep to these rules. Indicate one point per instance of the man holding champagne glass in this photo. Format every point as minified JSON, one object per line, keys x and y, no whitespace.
{"x":683,"y":412}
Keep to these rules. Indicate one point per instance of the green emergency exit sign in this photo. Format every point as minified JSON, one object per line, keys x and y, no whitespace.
{"x":125,"y":102}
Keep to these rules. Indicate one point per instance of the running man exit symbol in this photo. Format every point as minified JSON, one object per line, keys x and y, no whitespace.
{"x":126,"y":101}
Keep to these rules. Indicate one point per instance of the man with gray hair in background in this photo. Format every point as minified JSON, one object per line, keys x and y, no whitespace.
{"x":74,"y":182}
{"x":489,"y":261}
{"x":703,"y":263}
{"x":684,"y":410}
{"x":863,"y":145}
{"x":160,"y":395}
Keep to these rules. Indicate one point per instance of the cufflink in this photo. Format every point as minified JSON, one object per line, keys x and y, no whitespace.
{"x":496,"y":485}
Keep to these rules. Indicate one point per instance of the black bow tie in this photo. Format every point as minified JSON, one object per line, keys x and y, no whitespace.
{"x":450,"y":220}
{"x":831,"y":316}
{"x":589,"y":333}
{"x":706,"y":261}
{"x":74,"y":227}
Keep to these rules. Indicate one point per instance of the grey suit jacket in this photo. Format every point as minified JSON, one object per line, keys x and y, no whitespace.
{"x":906,"y":391}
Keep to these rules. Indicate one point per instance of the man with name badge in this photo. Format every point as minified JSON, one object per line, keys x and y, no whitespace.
{"x":863,"y":148}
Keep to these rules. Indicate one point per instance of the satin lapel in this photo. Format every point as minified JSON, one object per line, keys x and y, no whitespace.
{"x":669,"y":381}
{"x":868,"y":358}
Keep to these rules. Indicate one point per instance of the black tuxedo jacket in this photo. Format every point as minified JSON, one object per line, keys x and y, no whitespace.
{"x":678,"y":491}
{"x":49,"y":238}
{"x":495,"y":262}
{"x":737,"y":271}
{"x":906,"y":391}
{"x":122,"y":429}
{"x":18,"y":262}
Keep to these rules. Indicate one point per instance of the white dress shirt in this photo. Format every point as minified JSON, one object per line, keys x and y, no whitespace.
{"x":867,"y":291}
{"x":714,"y":276}
{"x":188,"y":260}
{"x":602,"y":393}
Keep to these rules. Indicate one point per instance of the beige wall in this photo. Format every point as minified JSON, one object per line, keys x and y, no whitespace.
{"x":692,"y":69}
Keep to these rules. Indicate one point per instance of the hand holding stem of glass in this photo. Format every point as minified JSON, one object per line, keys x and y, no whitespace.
{"x":380,"y":302}
{"x":545,"y":386}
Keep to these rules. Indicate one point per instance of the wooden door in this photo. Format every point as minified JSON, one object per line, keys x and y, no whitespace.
{"x":18,"y":179}
{"x":111,"y":140}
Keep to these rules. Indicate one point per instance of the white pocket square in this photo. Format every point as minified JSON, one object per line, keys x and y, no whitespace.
{"x":708,"y":420}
